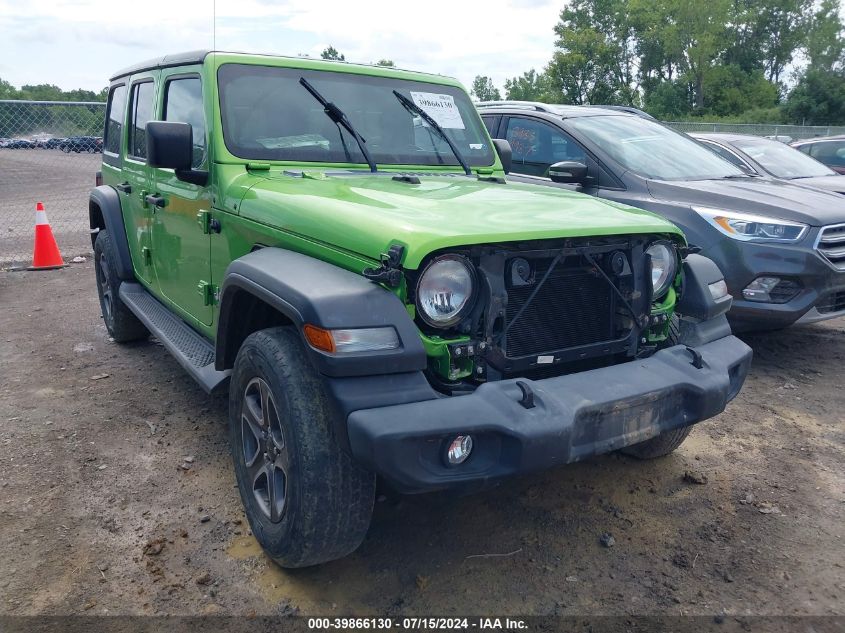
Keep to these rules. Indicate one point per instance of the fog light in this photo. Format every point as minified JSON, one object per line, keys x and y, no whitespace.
{"x":459,"y":450}
{"x":760,"y":289}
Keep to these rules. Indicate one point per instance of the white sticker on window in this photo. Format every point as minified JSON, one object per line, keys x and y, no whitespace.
{"x":441,"y":108}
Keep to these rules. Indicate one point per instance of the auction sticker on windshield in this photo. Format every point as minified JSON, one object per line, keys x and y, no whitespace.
{"x":441,"y":108}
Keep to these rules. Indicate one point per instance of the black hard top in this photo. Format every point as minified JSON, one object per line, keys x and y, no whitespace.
{"x":176,"y":59}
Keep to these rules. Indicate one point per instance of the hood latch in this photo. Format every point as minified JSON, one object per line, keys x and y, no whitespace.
{"x":390,"y":270}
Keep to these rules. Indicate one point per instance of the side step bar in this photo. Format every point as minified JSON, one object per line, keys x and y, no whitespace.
{"x":193,"y":351}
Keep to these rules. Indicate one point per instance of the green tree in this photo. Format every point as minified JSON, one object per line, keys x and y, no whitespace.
{"x":385,"y":62}
{"x":595,"y":58}
{"x":484,"y":90}
{"x":7,"y":90}
{"x":824,"y":43}
{"x":332,"y":53}
{"x":531,"y":86}
{"x":817,"y":99}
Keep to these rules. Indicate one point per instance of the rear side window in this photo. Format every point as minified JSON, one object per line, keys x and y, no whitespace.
{"x":116,"y":111}
{"x":183,"y":103}
{"x":142,"y":112}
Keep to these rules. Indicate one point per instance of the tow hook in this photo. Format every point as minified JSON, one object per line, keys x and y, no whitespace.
{"x":527,"y":399}
{"x":697,"y":360}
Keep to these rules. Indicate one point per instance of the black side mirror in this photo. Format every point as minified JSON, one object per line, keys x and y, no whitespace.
{"x":170,"y":145}
{"x":503,"y":149}
{"x":568,"y":171}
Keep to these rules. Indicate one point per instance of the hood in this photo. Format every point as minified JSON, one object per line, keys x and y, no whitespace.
{"x":828,"y":183}
{"x":366,"y":213}
{"x":775,"y":198}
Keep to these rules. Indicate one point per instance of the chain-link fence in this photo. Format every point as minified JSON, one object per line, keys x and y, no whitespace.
{"x":782,"y":132}
{"x":50,"y":153}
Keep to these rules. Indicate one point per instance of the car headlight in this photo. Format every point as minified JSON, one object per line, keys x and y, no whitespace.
{"x":749,"y":227}
{"x":664,"y":265}
{"x":445,"y":290}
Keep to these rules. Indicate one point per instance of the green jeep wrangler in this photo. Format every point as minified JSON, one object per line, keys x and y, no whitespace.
{"x":336,"y":245}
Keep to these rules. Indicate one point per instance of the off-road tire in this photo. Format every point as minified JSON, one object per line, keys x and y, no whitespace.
{"x":328,"y":497}
{"x":667,"y":442}
{"x":123,"y":326}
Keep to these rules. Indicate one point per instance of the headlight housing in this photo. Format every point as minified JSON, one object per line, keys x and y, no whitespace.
{"x":445,"y":290}
{"x":664,"y":266}
{"x":748,"y":227}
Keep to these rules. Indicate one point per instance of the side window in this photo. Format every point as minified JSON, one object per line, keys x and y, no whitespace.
{"x":142,"y":113}
{"x":807,"y":149}
{"x":537,"y":145}
{"x":115,"y":115}
{"x":183,"y":103}
{"x":492,"y":124}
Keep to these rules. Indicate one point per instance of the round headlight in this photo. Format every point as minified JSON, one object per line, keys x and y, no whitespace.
{"x":444,"y":290}
{"x":664,"y":265}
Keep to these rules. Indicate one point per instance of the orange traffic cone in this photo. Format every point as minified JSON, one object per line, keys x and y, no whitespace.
{"x":45,"y":253}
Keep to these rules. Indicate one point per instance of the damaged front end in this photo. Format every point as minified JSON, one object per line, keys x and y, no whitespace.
{"x":548,"y":308}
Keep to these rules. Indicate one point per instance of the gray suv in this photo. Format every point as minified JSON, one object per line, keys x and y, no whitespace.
{"x":780,"y":246}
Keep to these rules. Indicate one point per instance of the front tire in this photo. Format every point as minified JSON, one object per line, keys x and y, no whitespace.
{"x":122,"y":324}
{"x":666,"y":442}
{"x":306,"y":500}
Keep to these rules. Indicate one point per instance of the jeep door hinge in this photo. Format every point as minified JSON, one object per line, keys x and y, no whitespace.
{"x":147,"y":255}
{"x":209,"y":292}
{"x":207,"y":223}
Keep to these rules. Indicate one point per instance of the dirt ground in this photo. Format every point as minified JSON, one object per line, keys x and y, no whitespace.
{"x":101,"y":512}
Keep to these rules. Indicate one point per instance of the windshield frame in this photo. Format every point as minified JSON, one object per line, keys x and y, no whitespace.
{"x":484,"y":158}
{"x":742,"y":145}
{"x":585,"y":127}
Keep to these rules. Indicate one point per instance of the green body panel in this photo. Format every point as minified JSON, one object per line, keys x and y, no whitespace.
{"x":180,"y":246}
{"x":365,"y":214}
{"x":323,"y":210}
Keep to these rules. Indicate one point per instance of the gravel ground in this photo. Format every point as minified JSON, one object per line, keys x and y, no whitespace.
{"x":117,"y":497}
{"x":62,"y":182}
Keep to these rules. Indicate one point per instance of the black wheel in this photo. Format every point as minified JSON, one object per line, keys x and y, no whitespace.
{"x":122,"y":324}
{"x":306,"y":499}
{"x":667,"y":442}
{"x":65,"y":149}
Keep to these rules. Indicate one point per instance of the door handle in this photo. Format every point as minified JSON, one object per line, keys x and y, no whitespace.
{"x":125,"y":187}
{"x":156,"y":200}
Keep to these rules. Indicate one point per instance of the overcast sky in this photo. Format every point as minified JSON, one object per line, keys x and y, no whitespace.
{"x":79,"y":43}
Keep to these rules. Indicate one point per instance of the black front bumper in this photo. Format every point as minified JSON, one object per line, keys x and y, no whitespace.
{"x":744,"y":262}
{"x":574,"y":417}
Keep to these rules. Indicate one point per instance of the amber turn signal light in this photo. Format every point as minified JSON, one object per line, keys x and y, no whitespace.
{"x":319,"y":338}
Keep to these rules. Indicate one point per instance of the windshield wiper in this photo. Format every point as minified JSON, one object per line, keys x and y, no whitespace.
{"x":732,"y":176}
{"x":415,"y":109}
{"x":337,"y":115}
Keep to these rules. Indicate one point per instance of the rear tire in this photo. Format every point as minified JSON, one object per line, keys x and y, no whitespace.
{"x":306,"y":499}
{"x":663,"y":444}
{"x":121,"y":322}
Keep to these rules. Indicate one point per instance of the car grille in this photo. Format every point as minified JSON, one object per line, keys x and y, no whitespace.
{"x":834,"y":302}
{"x":573,"y":307}
{"x":832,"y":245}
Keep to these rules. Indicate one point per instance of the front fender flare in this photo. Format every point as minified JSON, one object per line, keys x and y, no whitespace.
{"x":309,"y":290}
{"x":107,"y":201}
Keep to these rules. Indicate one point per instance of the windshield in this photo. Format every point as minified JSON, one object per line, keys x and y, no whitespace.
{"x":781,"y":160}
{"x":652,"y":150}
{"x":267,"y":115}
